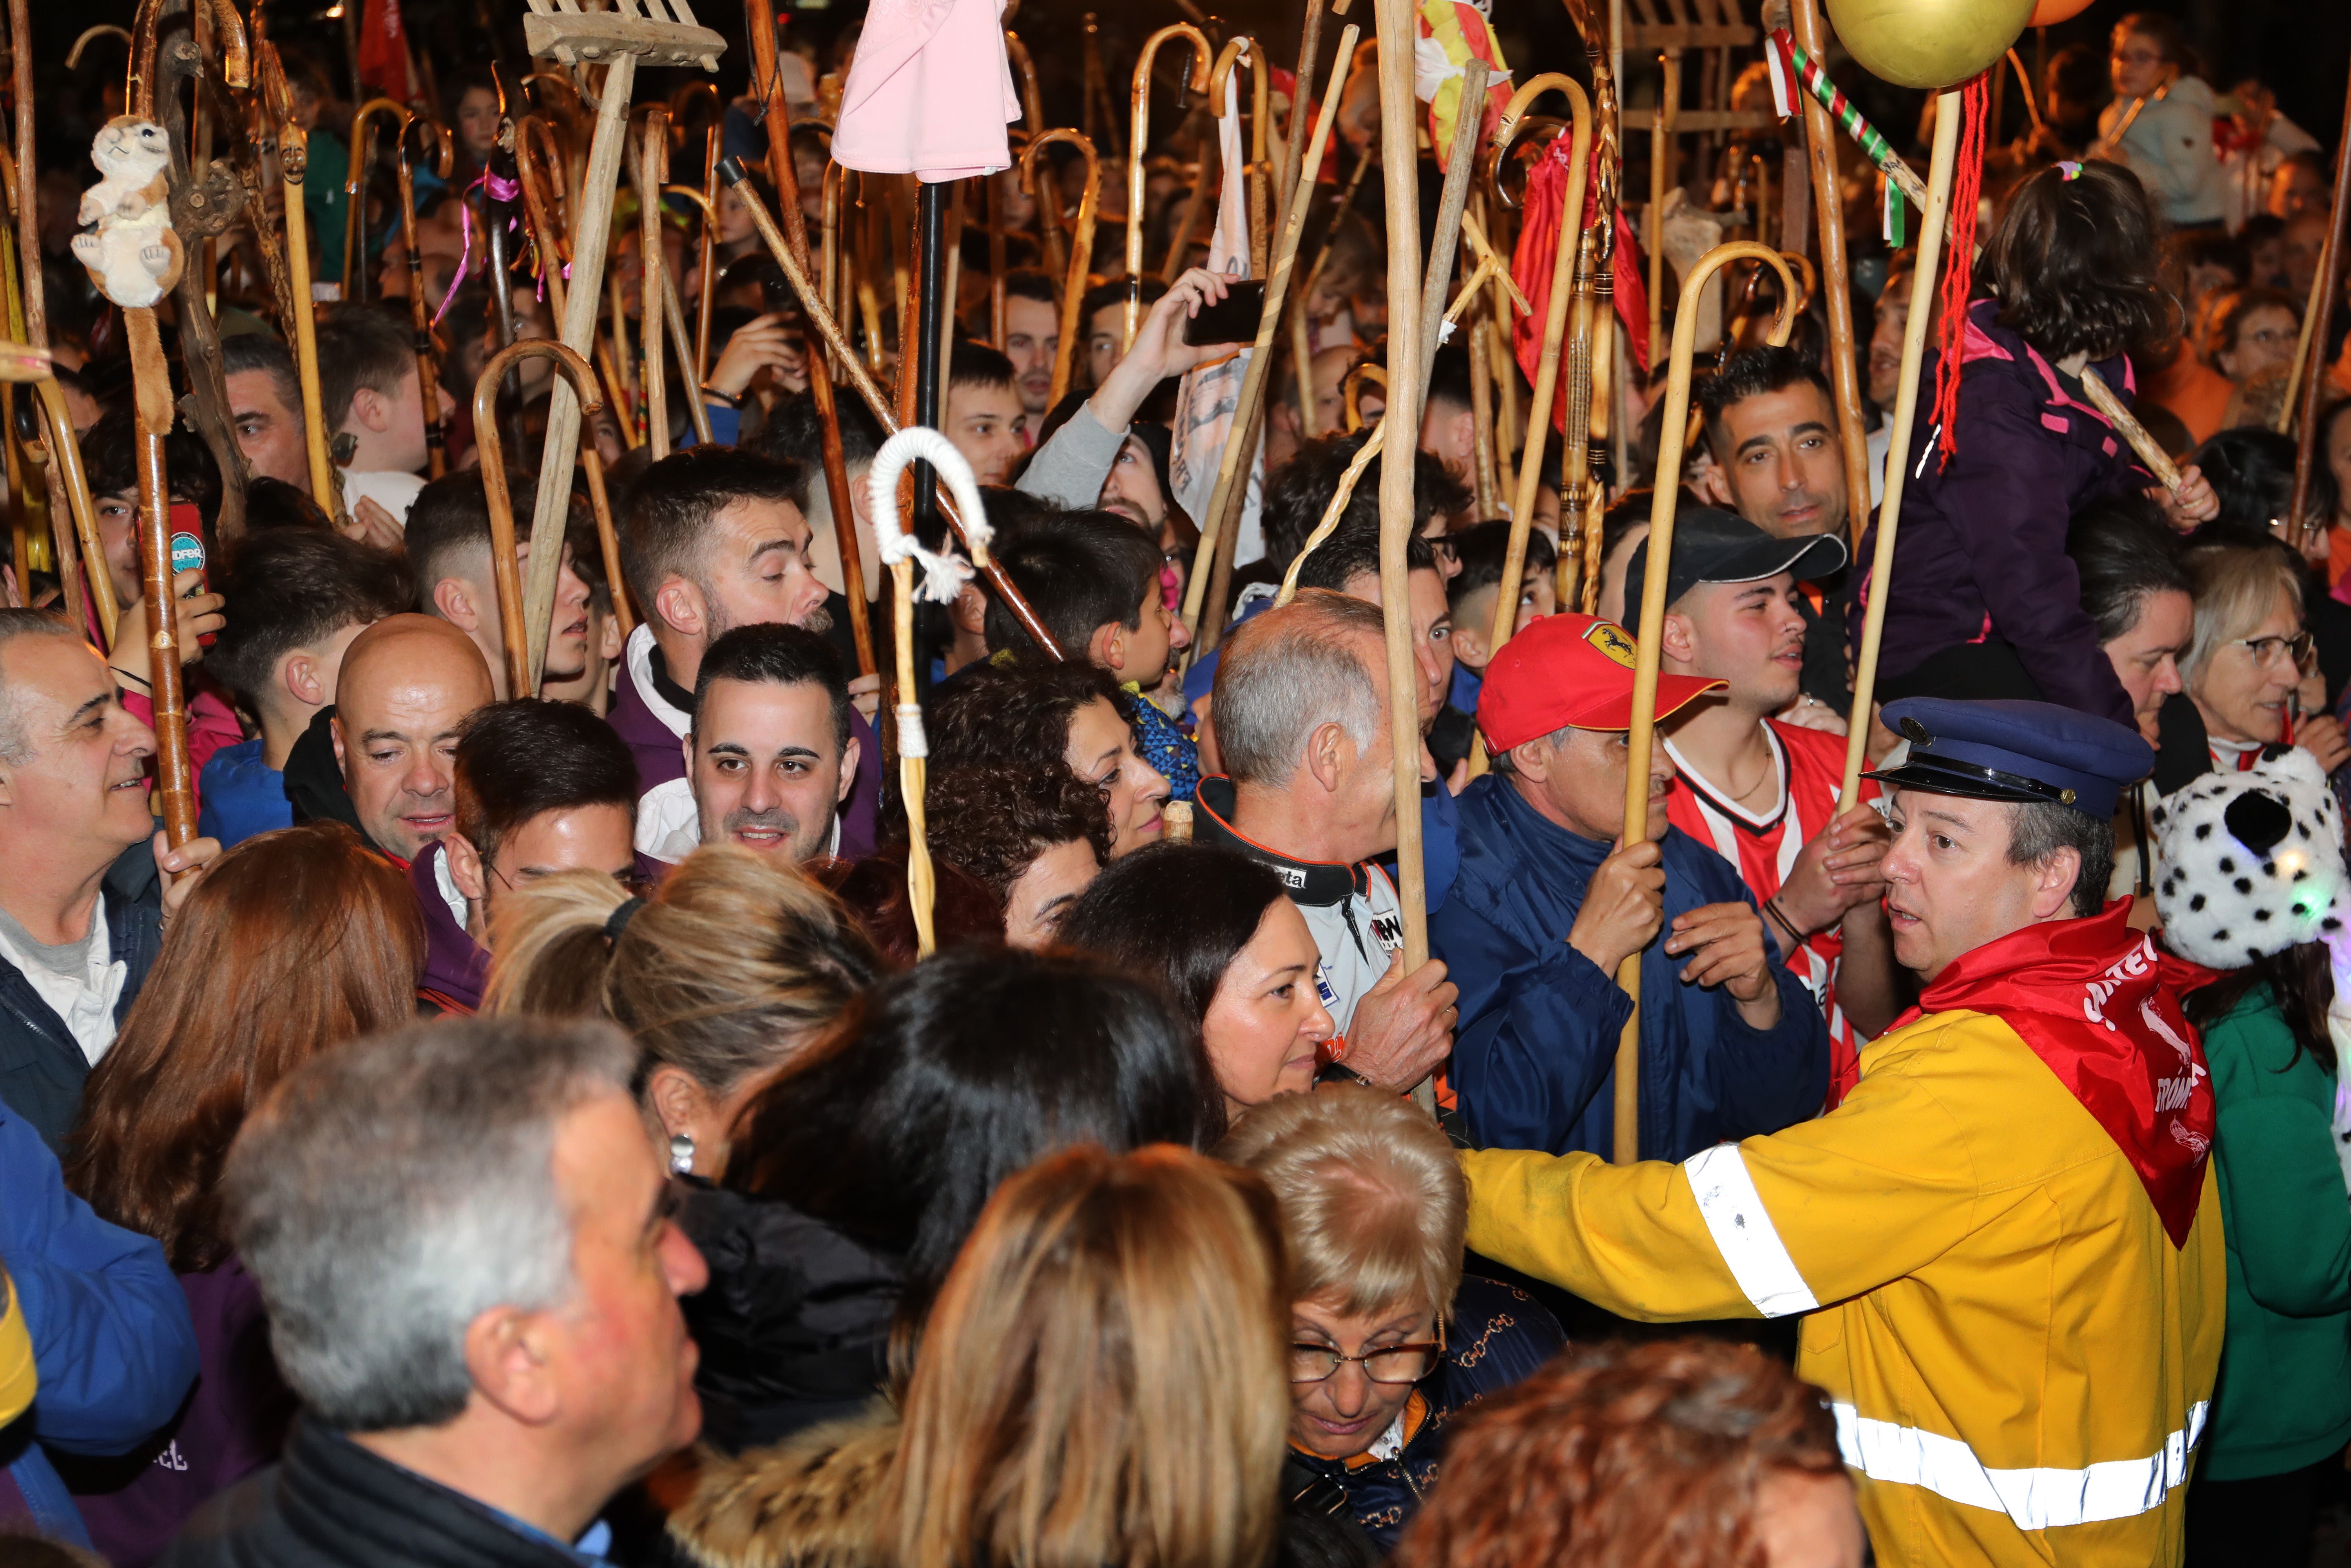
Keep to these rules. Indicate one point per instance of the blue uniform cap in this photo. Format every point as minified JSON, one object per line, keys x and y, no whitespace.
{"x":2015,"y":751}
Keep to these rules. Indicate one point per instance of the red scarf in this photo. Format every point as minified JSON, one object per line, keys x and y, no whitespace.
{"x":2100,"y":1004}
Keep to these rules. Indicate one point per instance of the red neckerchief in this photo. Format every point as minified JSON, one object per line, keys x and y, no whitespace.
{"x":2100,"y":1004}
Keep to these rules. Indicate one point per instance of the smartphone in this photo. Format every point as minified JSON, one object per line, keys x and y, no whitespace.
{"x":1235,"y":321}
{"x":188,"y":551}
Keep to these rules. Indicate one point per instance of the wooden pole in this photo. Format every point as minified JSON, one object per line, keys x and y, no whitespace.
{"x":1452,"y":202}
{"x":1081,"y":246}
{"x":1661,"y":158}
{"x":293,"y":156}
{"x":2330,"y":263}
{"x":868,"y":389}
{"x":689,"y":351}
{"x":1641,"y":741}
{"x":420,"y":310}
{"x":68,"y":485}
{"x":1836,"y":280}
{"x":1260,"y":363}
{"x":1949,"y":112}
{"x":506,"y":567}
{"x":355,"y":217}
{"x":709,"y":258}
{"x":2135,"y":435}
{"x":1138,"y":141}
{"x":175,"y":778}
{"x":652,"y":158}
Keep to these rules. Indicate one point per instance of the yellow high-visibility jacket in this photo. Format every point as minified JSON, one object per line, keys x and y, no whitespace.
{"x":18,"y":1376}
{"x":2019,"y":1359}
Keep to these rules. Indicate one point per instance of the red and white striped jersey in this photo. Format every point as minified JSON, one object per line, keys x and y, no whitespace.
{"x":1811,"y":765}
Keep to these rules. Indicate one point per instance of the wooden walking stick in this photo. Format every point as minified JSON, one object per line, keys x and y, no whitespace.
{"x":2135,"y":435}
{"x":2330,"y":263}
{"x":1138,"y":141}
{"x":420,"y":310}
{"x":1452,"y":210}
{"x":876,"y":400}
{"x":355,"y":188}
{"x":1661,"y":150}
{"x":944,"y":577}
{"x":506,"y":566}
{"x":1400,"y":174}
{"x":75,"y":523}
{"x":1562,"y":293}
{"x":29,"y":211}
{"x":1949,"y":113}
{"x":1828,"y":210}
{"x":1577,"y":570}
{"x":652,"y":158}
{"x":1261,"y":364}
{"x":820,"y":351}
{"x":294,"y":161}
{"x":1641,"y":742}
{"x":691,"y":368}
{"x":620,"y":41}
{"x":1074,"y":283}
{"x":708,"y":300}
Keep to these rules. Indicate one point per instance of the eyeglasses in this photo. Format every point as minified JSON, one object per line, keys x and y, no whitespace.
{"x":1388,"y":1363}
{"x":2267,"y":649}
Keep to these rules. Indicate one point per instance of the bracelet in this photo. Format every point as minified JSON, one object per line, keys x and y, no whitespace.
{"x":122,"y":674}
{"x":732,"y":400}
{"x":1779,"y":915}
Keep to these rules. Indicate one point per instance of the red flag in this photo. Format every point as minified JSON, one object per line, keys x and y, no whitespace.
{"x":383,"y":51}
{"x":1538,"y":248}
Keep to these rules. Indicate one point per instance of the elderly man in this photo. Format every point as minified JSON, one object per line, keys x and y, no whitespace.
{"x":1549,"y":901}
{"x":462,"y":1236}
{"x":542,"y":787}
{"x":771,"y":756}
{"x":380,"y":758}
{"x":2008,"y":1233}
{"x":1302,"y":704}
{"x":81,"y":900}
{"x":715,"y":538}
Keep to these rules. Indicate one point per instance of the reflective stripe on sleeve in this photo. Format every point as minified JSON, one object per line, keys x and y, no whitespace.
{"x":2035,"y":1499}
{"x":1743,"y":1233}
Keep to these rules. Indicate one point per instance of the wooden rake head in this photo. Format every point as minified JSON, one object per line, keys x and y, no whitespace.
{"x":658,"y":32}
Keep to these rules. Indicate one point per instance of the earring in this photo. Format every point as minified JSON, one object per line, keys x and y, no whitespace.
{"x":681,"y":1153}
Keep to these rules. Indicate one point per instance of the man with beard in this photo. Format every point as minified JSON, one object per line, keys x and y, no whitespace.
{"x":1778,"y":462}
{"x":771,"y":756}
{"x":714,"y":538}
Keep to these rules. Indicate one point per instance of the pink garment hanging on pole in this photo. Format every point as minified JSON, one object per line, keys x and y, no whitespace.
{"x":929,"y":93}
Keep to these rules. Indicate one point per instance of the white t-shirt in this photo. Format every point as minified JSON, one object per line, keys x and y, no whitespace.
{"x":80,"y":987}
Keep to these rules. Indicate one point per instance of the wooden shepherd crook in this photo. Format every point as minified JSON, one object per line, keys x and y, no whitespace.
{"x":617,"y":41}
{"x":2330,"y":264}
{"x":1082,"y":244}
{"x":1949,"y":113}
{"x":1642,"y":740}
{"x":1138,"y":138}
{"x":506,"y":567}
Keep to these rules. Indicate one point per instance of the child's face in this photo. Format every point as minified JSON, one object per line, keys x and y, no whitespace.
{"x":1158,"y":636}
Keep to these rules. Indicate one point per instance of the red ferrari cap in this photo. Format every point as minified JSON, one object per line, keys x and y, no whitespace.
{"x":1569,"y":672}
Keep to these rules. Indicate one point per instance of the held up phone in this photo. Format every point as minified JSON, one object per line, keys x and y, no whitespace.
{"x":188,"y":552}
{"x":1233,"y":320}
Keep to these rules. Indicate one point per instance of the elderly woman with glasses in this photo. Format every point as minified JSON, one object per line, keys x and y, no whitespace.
{"x":1390,"y":1341}
{"x":2249,"y":671}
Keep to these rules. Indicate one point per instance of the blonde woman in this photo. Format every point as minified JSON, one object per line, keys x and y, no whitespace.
{"x":2246,"y":670}
{"x":1390,"y":1343}
{"x":1100,"y":1383}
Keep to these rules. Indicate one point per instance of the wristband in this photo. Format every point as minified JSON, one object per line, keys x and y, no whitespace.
{"x":732,"y":400}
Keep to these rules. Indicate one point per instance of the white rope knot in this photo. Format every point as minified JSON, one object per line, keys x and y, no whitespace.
{"x":911,"y":739}
{"x":944,"y":572}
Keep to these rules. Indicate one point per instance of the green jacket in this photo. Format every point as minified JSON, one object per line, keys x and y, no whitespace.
{"x":2284,"y":1395}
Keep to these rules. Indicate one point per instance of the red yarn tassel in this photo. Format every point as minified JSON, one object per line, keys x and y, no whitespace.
{"x":1959,"y":267}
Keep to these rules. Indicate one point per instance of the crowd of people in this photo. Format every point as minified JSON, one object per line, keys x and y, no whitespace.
{"x":532,"y":1126}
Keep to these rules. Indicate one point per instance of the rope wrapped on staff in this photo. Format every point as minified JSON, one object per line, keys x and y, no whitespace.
{"x":944,"y":577}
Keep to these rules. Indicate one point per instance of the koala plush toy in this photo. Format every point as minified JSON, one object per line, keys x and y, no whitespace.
{"x":133,"y":254}
{"x":2251,"y":863}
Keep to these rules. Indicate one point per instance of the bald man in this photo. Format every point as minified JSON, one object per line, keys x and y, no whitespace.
{"x":380,"y":758}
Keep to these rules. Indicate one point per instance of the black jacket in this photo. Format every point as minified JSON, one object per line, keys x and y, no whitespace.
{"x":330,"y":1503}
{"x":42,"y":1067}
{"x":314,"y":779}
{"x":794,"y":1326}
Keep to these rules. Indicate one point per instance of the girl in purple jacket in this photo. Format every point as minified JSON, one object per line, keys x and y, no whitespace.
{"x":1984,"y":602}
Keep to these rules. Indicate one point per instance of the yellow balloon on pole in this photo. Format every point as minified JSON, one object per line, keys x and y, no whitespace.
{"x":1928,"y":42}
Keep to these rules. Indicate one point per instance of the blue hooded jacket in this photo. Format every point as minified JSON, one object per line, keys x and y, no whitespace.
{"x":1534,"y":1057}
{"x":112,"y":1340}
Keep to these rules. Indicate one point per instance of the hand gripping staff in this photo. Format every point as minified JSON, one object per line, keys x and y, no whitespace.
{"x":944,"y":576}
{"x":1643,"y":738}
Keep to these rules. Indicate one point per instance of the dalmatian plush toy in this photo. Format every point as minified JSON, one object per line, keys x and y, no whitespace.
{"x":2252,"y":864}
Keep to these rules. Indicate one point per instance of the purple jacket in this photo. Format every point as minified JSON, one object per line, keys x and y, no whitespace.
{"x":656,"y":730}
{"x":232,"y":1425}
{"x":456,"y":966}
{"x":1980,"y":550}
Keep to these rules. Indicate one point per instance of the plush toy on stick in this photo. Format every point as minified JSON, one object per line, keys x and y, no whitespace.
{"x":133,"y":254}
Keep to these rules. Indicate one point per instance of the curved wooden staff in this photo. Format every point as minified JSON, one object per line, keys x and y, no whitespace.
{"x":506,"y":565}
{"x":2330,"y":262}
{"x":897,"y":549}
{"x":1138,"y":138}
{"x":1237,"y":453}
{"x":1642,"y":740}
{"x":690,"y":350}
{"x":294,"y":160}
{"x":1947,"y":115}
{"x":708,"y":301}
{"x":1082,"y":244}
{"x":1578,"y":570}
{"x":1351,"y":393}
{"x":1845,"y":378}
{"x":420,"y":310}
{"x":61,"y":455}
{"x":355,"y":189}
{"x":876,"y":400}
